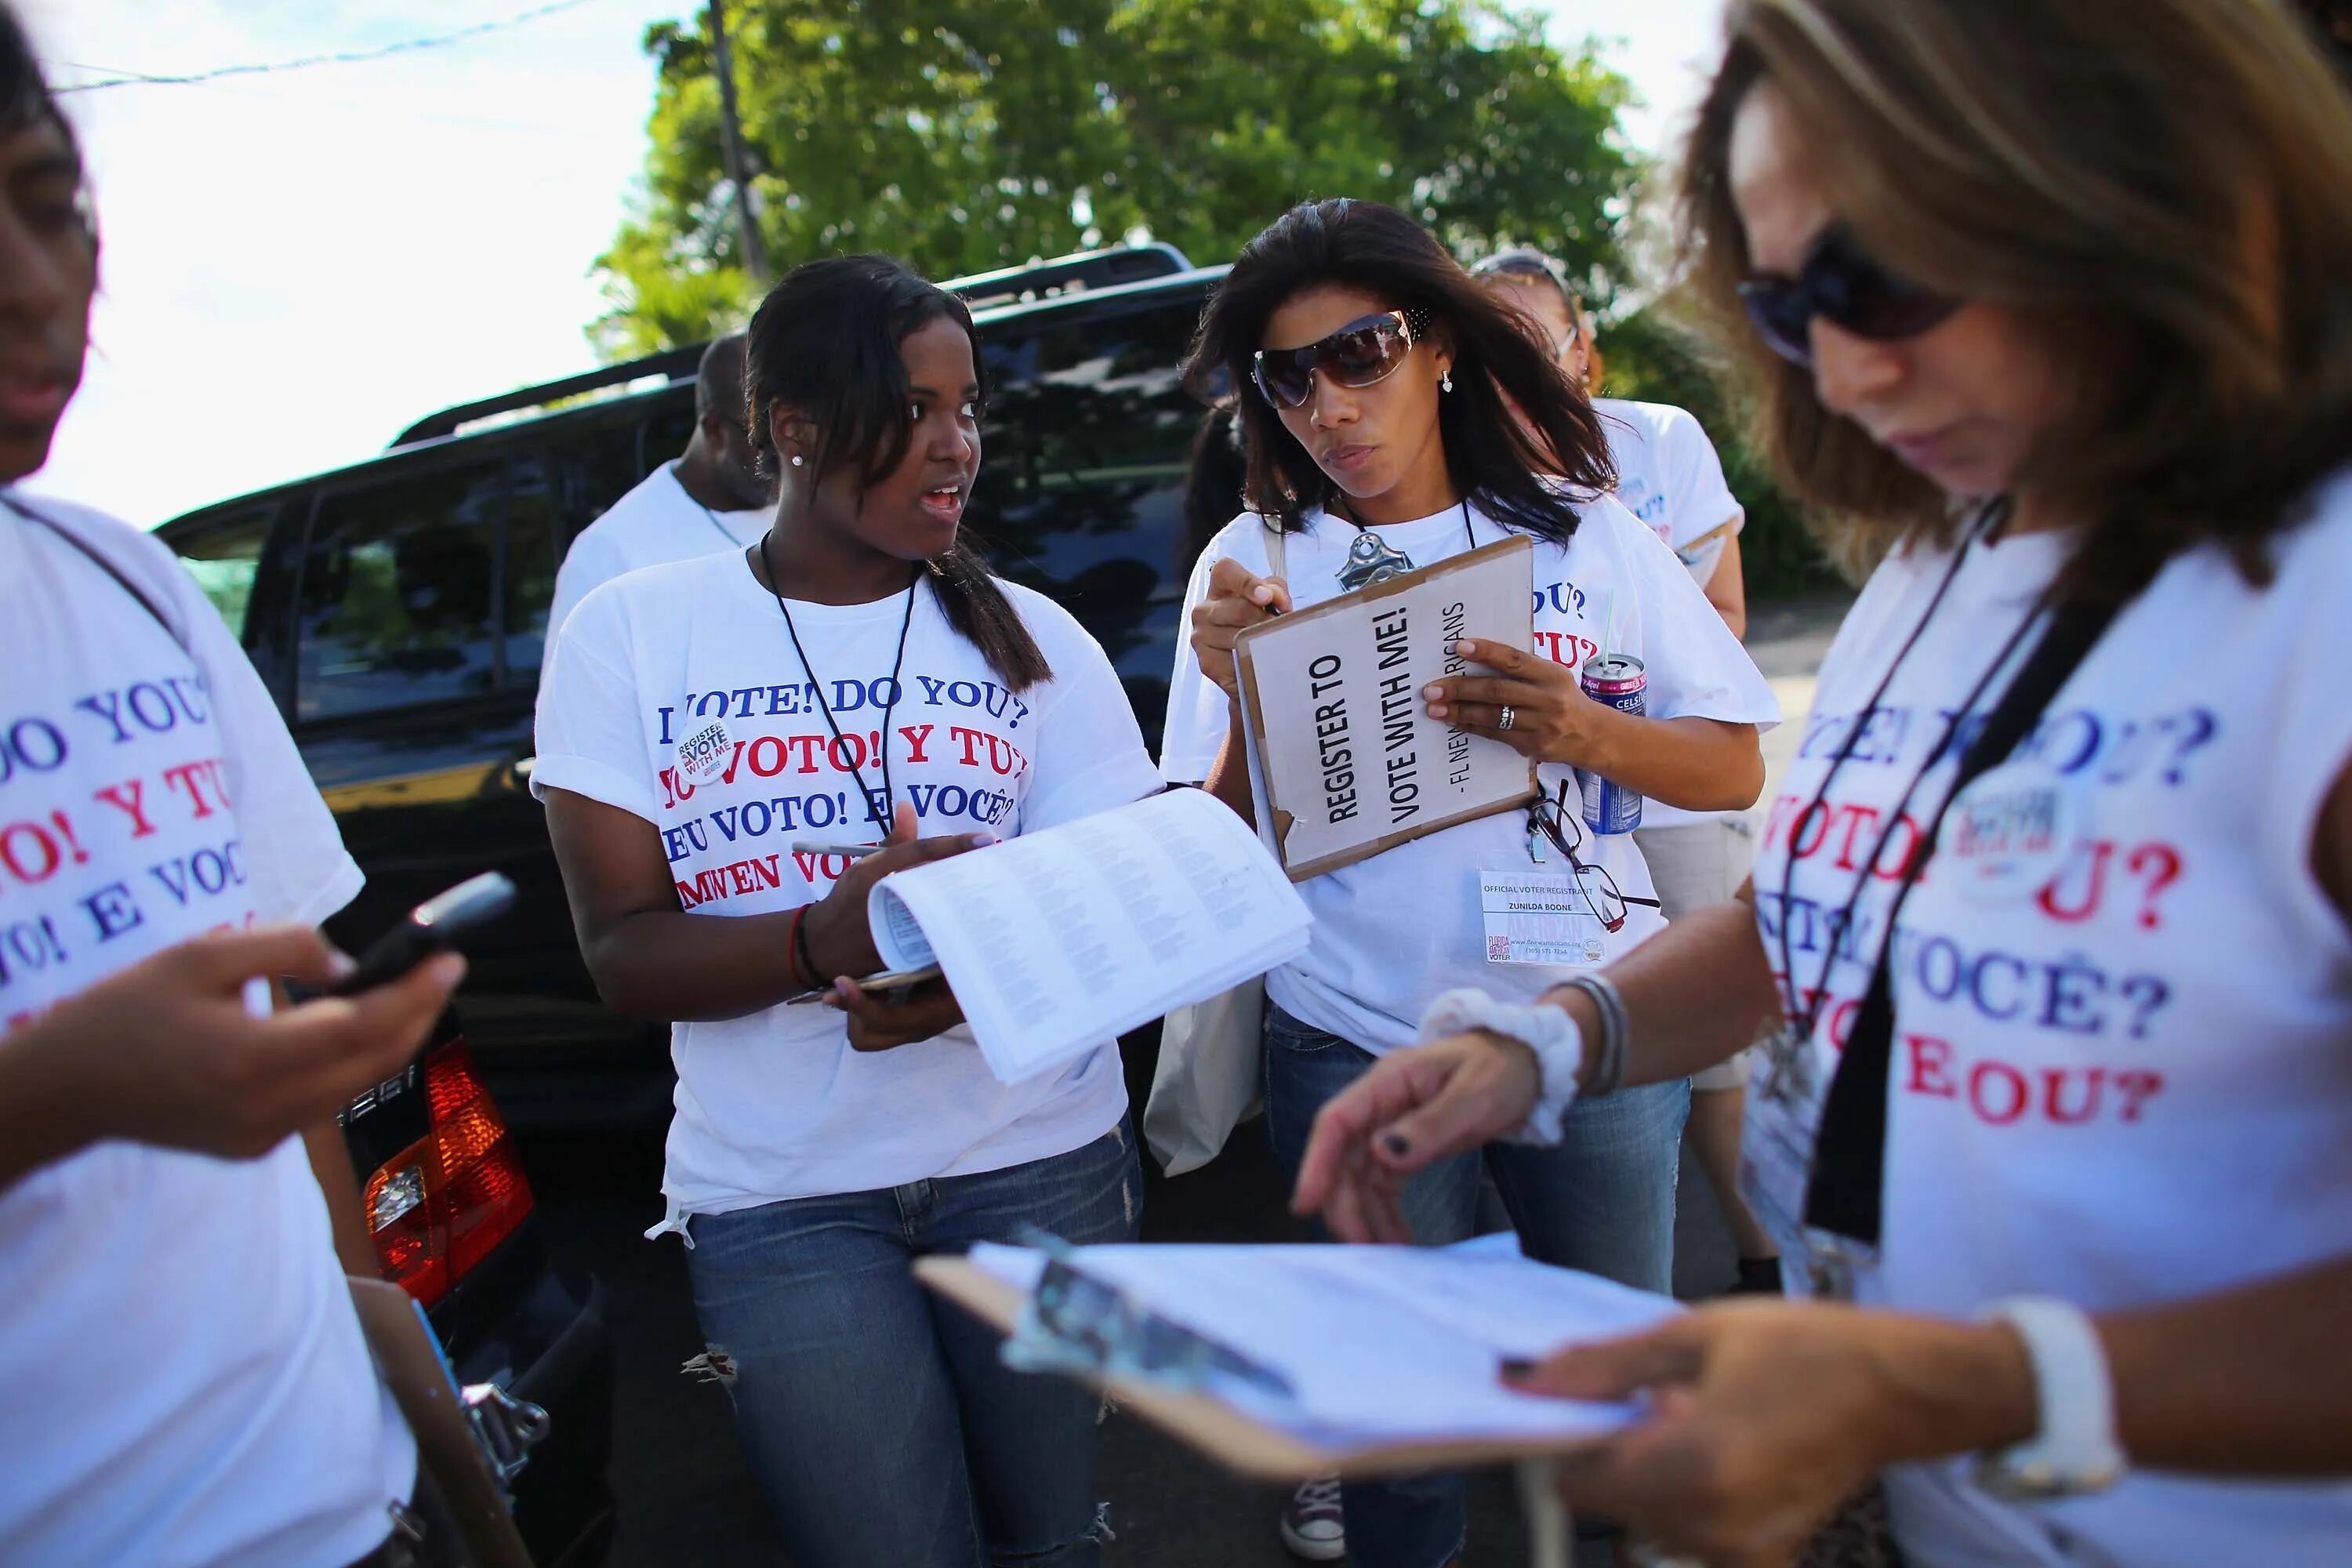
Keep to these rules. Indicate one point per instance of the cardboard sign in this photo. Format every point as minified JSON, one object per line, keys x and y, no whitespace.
{"x":1346,"y":760}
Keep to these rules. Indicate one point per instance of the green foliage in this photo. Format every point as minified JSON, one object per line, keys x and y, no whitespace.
{"x":1650,"y":360}
{"x":969,"y":134}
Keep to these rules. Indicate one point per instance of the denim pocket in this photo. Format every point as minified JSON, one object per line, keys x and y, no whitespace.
{"x":1284,"y":1033}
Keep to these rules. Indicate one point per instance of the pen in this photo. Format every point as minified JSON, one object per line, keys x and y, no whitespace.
{"x":853,"y":851}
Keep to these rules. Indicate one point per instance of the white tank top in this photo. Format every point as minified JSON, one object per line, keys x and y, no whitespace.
{"x":2126,"y":1076}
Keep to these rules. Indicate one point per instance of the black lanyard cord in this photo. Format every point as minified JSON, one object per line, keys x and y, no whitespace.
{"x":1845,"y":1194}
{"x":914,"y":578}
{"x":1800,"y":1016}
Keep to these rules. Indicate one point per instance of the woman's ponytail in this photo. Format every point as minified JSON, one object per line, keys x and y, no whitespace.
{"x":981,"y":614}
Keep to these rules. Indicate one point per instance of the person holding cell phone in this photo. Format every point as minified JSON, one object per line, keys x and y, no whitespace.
{"x":187,"y":1381}
{"x":708,"y":730}
{"x":1379,"y":381}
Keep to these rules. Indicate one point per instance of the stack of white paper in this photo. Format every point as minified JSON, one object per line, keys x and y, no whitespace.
{"x":1381,"y":1346}
{"x":1056,"y":941}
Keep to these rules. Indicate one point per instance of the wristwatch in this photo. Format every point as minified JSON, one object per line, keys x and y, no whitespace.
{"x":1549,"y":1032}
{"x":2076,"y":1451}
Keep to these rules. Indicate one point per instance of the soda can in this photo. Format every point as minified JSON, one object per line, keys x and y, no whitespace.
{"x":1619,"y":680}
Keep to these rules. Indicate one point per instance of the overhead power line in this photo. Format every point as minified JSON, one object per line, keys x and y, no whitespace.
{"x":349,"y":57}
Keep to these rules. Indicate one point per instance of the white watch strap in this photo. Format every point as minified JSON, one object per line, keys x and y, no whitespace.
{"x":2075,"y":1449}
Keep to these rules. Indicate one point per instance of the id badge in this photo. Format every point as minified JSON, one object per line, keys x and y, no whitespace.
{"x":1537,"y":914}
{"x":2011,"y":832}
{"x":1788,"y":1086}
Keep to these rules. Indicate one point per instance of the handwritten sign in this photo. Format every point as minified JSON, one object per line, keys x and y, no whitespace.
{"x":1349,"y":760}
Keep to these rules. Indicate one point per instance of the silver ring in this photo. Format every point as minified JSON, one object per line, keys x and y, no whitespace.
{"x":1509,"y":713}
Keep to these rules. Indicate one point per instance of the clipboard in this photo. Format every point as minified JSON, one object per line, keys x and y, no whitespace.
{"x":1244,"y":1445}
{"x":413,"y":1369}
{"x":1282,"y":818}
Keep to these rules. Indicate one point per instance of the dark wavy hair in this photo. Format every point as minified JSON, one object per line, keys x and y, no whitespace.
{"x":1508,"y":469}
{"x":2176,"y":230}
{"x":826,"y":343}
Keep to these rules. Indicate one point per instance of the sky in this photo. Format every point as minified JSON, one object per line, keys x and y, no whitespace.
{"x":298,"y":264}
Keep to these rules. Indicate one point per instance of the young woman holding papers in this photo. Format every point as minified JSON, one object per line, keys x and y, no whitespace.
{"x":855,"y":675}
{"x":2057,"y":898}
{"x":1375,"y":373}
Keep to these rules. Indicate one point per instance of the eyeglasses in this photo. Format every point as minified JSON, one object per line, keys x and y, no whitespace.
{"x":1366,"y":350}
{"x":1564,"y":827}
{"x":1844,"y":286}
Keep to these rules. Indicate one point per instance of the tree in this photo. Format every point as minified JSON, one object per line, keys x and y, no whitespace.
{"x":968,"y":134}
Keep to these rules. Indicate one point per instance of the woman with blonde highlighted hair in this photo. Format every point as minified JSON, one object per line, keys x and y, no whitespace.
{"x":2043,"y":308}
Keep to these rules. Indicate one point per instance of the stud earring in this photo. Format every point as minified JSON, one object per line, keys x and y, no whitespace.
{"x":796,"y":460}
{"x":1445,"y":382}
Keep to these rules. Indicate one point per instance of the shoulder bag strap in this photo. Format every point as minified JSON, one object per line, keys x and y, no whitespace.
{"x":1844,"y":1194}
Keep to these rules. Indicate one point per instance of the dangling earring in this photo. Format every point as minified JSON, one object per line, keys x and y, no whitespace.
{"x":1445,"y":382}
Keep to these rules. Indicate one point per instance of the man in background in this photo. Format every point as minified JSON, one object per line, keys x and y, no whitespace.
{"x":712,"y":498}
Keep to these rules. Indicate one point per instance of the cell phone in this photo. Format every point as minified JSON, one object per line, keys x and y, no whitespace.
{"x":887,"y":980}
{"x":430,"y":928}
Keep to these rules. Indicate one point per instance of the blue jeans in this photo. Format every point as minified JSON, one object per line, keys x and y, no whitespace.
{"x":876,"y":1416}
{"x":1604,"y":1202}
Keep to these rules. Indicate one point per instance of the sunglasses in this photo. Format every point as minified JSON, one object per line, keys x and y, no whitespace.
{"x":1366,"y":350}
{"x":1845,"y":288}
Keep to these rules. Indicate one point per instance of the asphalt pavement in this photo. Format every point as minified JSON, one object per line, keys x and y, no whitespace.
{"x":683,"y":1498}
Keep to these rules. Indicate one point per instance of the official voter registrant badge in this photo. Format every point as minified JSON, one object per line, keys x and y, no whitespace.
{"x":702,"y":756}
{"x":2010,"y":834}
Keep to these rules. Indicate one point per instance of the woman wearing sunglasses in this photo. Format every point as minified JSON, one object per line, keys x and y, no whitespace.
{"x":1377,"y":385}
{"x":2057,"y":896}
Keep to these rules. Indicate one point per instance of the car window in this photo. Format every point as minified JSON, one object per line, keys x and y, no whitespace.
{"x":224,"y":556}
{"x":1088,"y":435}
{"x":532,"y":554}
{"x":398,"y":592}
{"x":596,"y":463}
{"x":665,"y":433}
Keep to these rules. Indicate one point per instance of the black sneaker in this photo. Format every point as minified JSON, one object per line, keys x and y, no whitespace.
{"x":1311,"y":1523}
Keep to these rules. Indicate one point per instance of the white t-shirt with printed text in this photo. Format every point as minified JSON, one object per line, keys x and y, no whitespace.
{"x":776,"y":1105}
{"x":1669,"y":477}
{"x":1392,"y":931}
{"x":656,"y":523}
{"x":2129,"y":1082}
{"x":186,"y":1381}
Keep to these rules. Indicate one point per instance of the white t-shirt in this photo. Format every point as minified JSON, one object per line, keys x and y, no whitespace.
{"x":187,"y":1379}
{"x":1669,"y":477}
{"x":2136,"y":1084}
{"x":1392,"y":931}
{"x":776,"y":1105}
{"x":656,"y":523}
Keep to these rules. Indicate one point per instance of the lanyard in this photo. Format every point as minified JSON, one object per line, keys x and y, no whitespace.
{"x":1803,"y":1017}
{"x":1845,"y":1194}
{"x":881,"y":814}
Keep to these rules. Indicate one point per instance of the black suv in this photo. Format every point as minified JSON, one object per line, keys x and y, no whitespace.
{"x":398,"y":611}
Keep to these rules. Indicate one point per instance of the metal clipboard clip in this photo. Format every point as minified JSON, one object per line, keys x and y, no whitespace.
{"x":1075,"y":1322}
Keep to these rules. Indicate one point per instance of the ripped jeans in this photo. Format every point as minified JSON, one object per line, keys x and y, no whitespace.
{"x":876,"y":1416}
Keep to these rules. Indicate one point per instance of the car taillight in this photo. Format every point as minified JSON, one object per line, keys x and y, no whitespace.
{"x":442,"y":1205}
